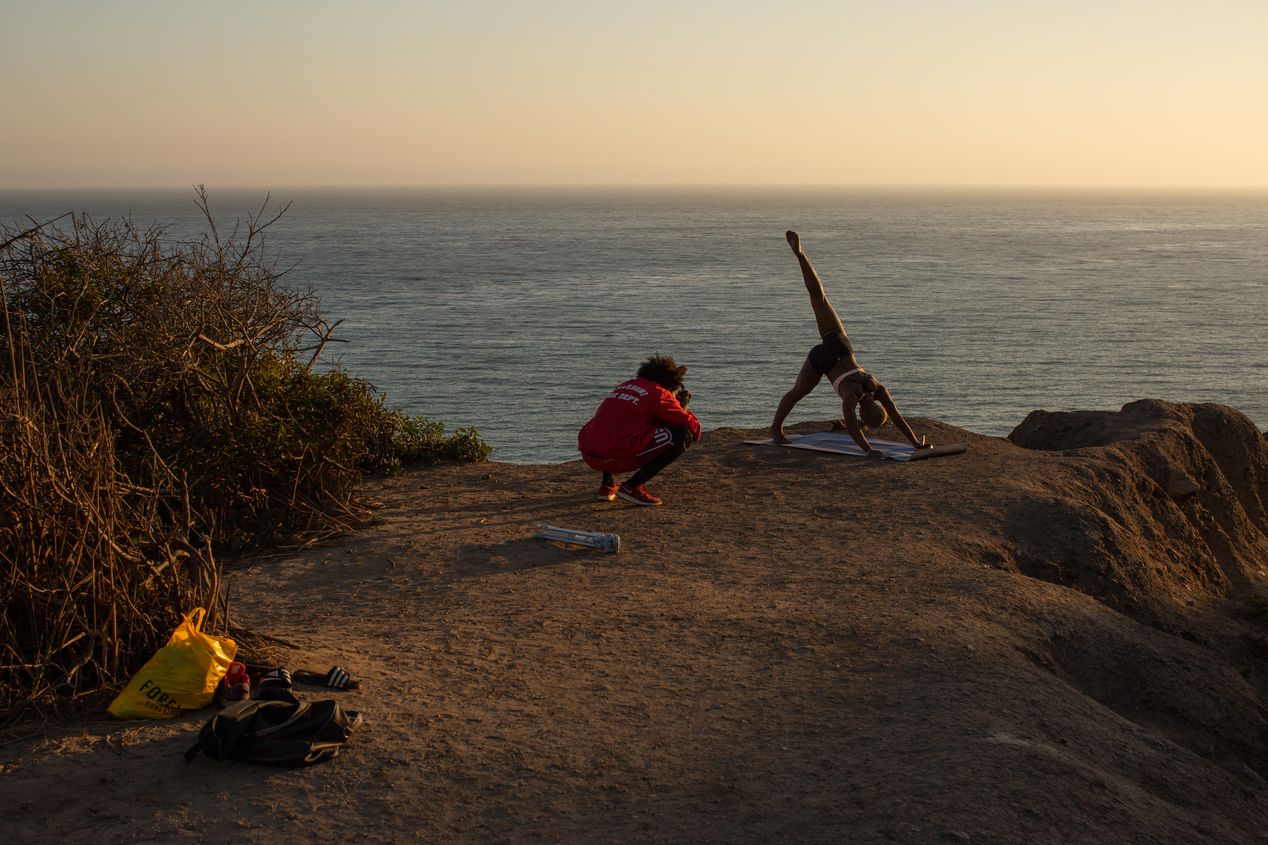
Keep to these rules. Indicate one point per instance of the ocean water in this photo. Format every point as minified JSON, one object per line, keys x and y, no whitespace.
{"x":516,"y":311}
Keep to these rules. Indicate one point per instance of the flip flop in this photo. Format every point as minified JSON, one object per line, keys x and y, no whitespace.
{"x":276,"y":677}
{"x":336,"y":678}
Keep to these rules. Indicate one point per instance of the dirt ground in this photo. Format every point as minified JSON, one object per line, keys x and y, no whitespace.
{"x":1011,"y":645}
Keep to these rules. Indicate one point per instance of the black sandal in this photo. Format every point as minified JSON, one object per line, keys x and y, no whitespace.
{"x":337,"y":678}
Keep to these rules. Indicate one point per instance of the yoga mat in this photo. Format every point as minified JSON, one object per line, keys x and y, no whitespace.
{"x":841,"y":443}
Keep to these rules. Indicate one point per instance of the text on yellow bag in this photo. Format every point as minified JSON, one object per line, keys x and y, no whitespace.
{"x":181,"y":676}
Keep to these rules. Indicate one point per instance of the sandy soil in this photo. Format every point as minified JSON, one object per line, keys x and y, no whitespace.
{"x":1014,"y":645}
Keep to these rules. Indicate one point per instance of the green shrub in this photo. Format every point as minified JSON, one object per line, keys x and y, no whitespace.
{"x":420,"y":440}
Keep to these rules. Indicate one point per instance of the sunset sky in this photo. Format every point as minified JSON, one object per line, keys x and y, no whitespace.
{"x":287,"y":93}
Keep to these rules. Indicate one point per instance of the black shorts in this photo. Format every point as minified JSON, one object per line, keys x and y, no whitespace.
{"x":824,"y":356}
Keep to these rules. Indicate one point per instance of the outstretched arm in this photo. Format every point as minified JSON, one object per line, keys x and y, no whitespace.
{"x":856,"y":431}
{"x":887,"y":402}
{"x":825,"y":315}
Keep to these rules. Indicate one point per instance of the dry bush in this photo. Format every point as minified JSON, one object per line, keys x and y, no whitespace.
{"x":160,"y":401}
{"x":93,"y":572}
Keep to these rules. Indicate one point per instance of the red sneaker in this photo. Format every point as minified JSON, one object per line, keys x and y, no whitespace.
{"x":236,"y":674}
{"x":638,"y":495}
{"x":234,"y":686}
{"x":607,"y":492}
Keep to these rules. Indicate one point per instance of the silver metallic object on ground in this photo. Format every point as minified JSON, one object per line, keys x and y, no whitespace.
{"x":589,"y":539}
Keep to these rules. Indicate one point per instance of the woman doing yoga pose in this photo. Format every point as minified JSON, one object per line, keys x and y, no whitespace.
{"x":862,"y":396}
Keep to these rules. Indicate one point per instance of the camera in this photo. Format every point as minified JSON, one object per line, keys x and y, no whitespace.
{"x":683,"y":395}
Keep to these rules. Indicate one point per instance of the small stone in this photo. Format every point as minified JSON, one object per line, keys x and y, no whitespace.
{"x":1180,"y":485}
{"x":956,"y":836}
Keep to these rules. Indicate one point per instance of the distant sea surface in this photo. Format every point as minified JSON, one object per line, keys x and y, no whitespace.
{"x":515,"y":311}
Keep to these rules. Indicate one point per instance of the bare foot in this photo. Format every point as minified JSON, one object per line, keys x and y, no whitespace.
{"x":793,"y":241}
{"x":777,"y":434}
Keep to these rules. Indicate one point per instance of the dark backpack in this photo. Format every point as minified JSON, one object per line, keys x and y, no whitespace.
{"x":277,"y":730}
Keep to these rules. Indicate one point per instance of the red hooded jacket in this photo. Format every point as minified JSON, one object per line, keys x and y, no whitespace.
{"x":624,"y":427}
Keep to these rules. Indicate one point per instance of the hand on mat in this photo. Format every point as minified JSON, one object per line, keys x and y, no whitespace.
{"x":876,"y":453}
{"x":838,"y":425}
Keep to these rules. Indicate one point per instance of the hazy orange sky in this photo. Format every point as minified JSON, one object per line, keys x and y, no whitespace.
{"x":304,"y":92}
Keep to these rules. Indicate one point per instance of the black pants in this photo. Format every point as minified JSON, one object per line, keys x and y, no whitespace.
{"x":682,"y":439}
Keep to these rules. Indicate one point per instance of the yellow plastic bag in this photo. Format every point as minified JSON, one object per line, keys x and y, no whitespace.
{"x":181,"y":676}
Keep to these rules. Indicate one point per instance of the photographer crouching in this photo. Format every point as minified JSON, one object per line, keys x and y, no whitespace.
{"x":642,"y":425}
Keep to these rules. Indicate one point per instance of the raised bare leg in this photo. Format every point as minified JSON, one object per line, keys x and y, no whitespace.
{"x":825,"y":315}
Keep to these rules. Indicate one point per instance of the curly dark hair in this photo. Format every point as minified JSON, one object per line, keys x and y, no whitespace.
{"x":664,"y":371}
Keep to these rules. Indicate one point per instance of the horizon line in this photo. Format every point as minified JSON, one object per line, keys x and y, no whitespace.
{"x":810,"y":186}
